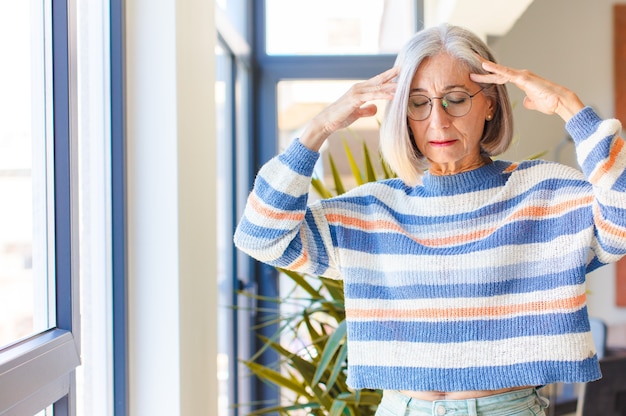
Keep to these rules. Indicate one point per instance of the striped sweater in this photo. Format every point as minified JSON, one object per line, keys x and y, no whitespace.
{"x":474,"y":281}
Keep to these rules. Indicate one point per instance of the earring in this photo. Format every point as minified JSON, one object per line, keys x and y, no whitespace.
{"x":489,"y":117}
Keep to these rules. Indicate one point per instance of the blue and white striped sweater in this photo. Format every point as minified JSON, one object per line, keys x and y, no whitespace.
{"x":473,"y":281}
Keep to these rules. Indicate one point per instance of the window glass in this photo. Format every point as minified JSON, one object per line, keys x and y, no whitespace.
{"x":301,"y":100}
{"x":329,"y":27}
{"x":26,"y":232}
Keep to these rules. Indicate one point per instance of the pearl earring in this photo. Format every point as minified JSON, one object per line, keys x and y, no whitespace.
{"x":489,"y":117}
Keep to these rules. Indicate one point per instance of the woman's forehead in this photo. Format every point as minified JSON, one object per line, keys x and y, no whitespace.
{"x":443,"y":71}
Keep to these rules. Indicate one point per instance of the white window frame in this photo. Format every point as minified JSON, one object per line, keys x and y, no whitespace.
{"x":39,"y":371}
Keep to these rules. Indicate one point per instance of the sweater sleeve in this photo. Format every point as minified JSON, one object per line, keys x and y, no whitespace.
{"x":278,"y":227}
{"x":602,"y":157}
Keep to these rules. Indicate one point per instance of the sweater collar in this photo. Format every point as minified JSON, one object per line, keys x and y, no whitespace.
{"x":463,"y":182}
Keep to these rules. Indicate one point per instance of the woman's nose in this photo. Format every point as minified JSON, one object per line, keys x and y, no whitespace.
{"x":438,"y":115}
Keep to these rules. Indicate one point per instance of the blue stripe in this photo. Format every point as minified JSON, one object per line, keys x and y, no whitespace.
{"x":597,"y":155}
{"x":278,"y":199}
{"x":616,"y":215}
{"x":317,"y":250}
{"x":473,"y":378}
{"x":475,"y":330}
{"x":372,"y":205}
{"x":299,"y":158}
{"x":492,"y":285}
{"x":516,"y":233}
{"x":263,"y":234}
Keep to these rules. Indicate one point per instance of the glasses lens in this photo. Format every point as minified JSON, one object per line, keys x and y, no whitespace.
{"x":419,"y":107}
{"x":457,"y":103}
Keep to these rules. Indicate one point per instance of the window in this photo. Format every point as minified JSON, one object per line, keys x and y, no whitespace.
{"x":39,"y":349}
{"x":27,"y":236}
{"x":328,"y":27}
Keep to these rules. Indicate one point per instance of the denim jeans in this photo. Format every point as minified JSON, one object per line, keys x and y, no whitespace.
{"x":515,"y":403}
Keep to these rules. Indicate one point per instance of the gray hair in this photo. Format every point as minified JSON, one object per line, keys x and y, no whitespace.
{"x":396,"y":143}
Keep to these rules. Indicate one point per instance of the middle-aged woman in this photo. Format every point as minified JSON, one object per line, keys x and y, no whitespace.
{"x":464,"y":277}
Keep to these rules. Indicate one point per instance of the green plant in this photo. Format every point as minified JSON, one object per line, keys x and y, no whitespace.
{"x":311,"y":336}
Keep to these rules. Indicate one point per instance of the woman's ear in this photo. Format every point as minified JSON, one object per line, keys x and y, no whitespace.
{"x":491,"y":108}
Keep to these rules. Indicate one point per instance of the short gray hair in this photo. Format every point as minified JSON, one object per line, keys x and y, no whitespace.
{"x":397,"y":145}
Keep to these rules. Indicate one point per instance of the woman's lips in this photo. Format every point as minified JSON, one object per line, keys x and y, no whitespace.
{"x":442,"y":143}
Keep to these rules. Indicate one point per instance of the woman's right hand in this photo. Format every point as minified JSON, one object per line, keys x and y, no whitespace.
{"x":349,"y":107}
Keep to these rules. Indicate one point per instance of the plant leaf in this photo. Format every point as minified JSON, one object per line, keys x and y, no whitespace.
{"x":370,"y":174}
{"x":386,"y":170}
{"x":301,"y":282}
{"x":366,"y":397}
{"x":320,"y":188}
{"x":335,"y":341}
{"x":339,"y":188}
{"x":284,"y":409}
{"x":338,"y":365}
{"x":334,"y":287}
{"x":337,"y":408}
{"x":275,"y":377}
{"x":537,"y":155}
{"x":356,"y":172}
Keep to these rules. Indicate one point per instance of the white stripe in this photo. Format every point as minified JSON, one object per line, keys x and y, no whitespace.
{"x":283,"y":179}
{"x":472,"y":354}
{"x":585,"y":147}
{"x":501,"y":256}
{"x":454,"y":204}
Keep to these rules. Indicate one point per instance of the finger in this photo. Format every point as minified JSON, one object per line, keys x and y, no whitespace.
{"x":384,"y":79}
{"x":529,"y":104}
{"x":488,"y":79}
{"x":367,"y":110}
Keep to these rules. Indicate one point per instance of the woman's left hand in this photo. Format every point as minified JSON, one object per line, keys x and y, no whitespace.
{"x":541,"y":94}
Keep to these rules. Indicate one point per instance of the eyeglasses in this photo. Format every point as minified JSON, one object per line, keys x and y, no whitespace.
{"x":454,"y":103}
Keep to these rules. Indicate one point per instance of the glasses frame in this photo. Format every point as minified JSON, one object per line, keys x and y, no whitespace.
{"x":445,"y":107}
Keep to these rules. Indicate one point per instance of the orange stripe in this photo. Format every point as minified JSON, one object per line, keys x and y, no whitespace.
{"x":382,"y":226}
{"x":268,"y":212}
{"x":539,"y":212}
{"x":471,"y":312}
{"x":607,"y":226}
{"x":606,"y":167}
{"x":511,"y":168}
{"x":302,"y":259}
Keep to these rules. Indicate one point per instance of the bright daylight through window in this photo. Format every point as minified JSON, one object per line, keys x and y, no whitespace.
{"x":26,"y":240}
{"x":328,"y":27}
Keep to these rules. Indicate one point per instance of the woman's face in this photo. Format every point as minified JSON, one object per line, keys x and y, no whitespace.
{"x":451,"y":144}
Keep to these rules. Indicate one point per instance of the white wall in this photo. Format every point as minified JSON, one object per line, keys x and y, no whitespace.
{"x":569,"y":42}
{"x":171,"y":218}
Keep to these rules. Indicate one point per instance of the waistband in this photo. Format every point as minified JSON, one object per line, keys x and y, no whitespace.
{"x":513,"y":400}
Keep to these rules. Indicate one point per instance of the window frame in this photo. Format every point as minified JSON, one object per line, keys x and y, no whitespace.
{"x":237,"y":49}
{"x":118,"y":209}
{"x":39,"y":371}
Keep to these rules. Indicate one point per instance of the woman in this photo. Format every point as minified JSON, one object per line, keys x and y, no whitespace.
{"x":464,"y":278}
